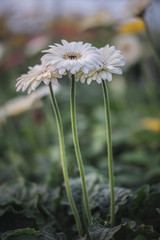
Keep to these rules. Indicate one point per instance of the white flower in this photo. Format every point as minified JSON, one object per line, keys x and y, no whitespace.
{"x":21,"y":104}
{"x":102,"y":18}
{"x":72,"y":57}
{"x":35,"y":76}
{"x":36,"y":44}
{"x":112,"y":61}
{"x":130,"y":46}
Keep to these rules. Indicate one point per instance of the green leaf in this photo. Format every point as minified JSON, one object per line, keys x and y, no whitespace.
{"x":99,"y":195}
{"x":49,"y":233}
{"x":19,"y":234}
{"x":137,"y":157}
{"x":127,"y":230}
{"x":98,"y":231}
{"x":141,"y":195}
{"x":130,"y":230}
{"x":129,"y":175}
{"x":31,"y":205}
{"x":140,"y":237}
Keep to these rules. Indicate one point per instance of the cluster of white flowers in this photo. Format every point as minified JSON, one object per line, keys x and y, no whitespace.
{"x":83,"y":60}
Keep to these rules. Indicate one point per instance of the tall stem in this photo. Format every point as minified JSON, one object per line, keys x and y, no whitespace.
{"x":63,"y":160}
{"x":109,"y":145}
{"x":77,"y":150}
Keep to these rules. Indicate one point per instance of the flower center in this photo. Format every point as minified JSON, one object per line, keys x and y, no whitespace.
{"x":71,"y":56}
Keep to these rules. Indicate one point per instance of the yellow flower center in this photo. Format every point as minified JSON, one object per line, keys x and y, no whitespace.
{"x":71,"y":56}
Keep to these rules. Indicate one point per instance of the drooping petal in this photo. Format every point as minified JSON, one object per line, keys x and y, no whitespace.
{"x":36,"y":75}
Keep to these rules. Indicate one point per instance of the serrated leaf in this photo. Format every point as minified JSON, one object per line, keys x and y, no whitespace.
{"x":131,"y":229}
{"x":127,"y":230}
{"x":98,"y":231}
{"x":99,"y":194}
{"x":142,"y":207}
{"x":31,"y":205}
{"x":47,"y":233}
{"x":19,"y":234}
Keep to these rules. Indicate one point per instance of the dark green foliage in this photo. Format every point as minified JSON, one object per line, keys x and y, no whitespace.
{"x":33,"y":212}
{"x":128,"y":230}
{"x":99,"y":231}
{"x":30,"y":234}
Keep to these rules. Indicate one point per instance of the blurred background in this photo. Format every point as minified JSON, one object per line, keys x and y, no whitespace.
{"x":28,"y":134}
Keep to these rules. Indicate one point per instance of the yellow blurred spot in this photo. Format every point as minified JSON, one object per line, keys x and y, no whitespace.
{"x":133,"y":26}
{"x":151,"y":124}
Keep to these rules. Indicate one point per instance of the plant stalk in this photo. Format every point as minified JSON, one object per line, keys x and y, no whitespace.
{"x":110,"y":158}
{"x":77,"y":149}
{"x":63,"y":160}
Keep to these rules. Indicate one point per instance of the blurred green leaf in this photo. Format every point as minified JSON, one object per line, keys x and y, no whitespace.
{"x":49,"y":233}
{"x":98,"y":231}
{"x":31,"y":205}
{"x":141,"y":195}
{"x":25,"y":234}
{"x":127,"y":230}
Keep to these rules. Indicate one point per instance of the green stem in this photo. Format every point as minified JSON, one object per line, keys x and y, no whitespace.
{"x":77,"y":150}
{"x":63,"y":159}
{"x":109,"y":145}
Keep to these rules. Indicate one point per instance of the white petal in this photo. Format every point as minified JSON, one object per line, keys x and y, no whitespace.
{"x":109,"y":76}
{"x":85,"y":70}
{"x":98,"y":79}
{"x":103,"y":75}
{"x":61,"y":71}
{"x":46,"y":81}
{"x":89,"y":80}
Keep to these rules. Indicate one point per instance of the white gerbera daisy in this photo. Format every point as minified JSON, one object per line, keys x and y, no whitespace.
{"x":112,"y":61}
{"x":72,"y":57}
{"x":35,"y":76}
{"x":130,"y":46}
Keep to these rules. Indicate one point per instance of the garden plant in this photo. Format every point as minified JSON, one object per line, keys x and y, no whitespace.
{"x":115,"y":193}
